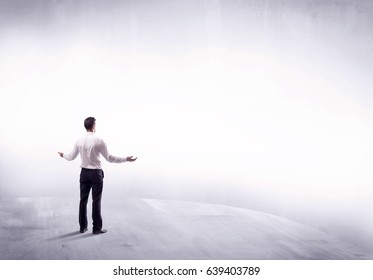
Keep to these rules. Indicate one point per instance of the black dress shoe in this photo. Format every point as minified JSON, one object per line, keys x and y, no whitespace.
{"x":83,"y":230}
{"x":101,"y":231}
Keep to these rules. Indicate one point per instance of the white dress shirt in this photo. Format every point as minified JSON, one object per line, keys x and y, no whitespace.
{"x":90,"y":147}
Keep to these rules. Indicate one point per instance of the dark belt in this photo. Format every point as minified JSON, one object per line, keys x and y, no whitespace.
{"x":91,"y":169}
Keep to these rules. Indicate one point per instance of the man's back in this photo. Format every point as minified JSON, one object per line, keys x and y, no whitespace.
{"x":90,"y":147}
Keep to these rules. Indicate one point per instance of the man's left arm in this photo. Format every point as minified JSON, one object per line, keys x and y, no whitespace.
{"x":74,"y":153}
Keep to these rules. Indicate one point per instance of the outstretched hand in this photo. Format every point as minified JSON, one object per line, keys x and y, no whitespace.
{"x":131,"y":158}
{"x":61,"y":154}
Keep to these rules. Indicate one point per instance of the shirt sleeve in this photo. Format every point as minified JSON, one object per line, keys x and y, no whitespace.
{"x":108,"y":156}
{"x":74,"y":153}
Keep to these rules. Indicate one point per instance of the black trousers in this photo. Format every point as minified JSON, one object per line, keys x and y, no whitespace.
{"x":91,"y":179}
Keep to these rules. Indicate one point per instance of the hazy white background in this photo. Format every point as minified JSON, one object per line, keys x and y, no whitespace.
{"x":259,"y":104}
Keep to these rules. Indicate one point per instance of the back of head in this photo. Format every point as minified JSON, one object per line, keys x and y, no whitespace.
{"x":89,"y":123}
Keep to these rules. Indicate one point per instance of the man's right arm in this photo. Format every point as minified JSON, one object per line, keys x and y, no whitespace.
{"x":111,"y":158}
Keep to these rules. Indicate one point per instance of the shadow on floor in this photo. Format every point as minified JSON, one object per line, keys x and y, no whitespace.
{"x":76,"y":235}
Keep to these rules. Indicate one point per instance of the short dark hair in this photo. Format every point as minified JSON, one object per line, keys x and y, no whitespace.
{"x":89,"y":123}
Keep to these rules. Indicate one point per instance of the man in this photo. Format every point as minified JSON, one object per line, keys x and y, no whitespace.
{"x":91,"y":177}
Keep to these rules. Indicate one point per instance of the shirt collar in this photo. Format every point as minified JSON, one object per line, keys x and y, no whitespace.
{"x":90,"y":133}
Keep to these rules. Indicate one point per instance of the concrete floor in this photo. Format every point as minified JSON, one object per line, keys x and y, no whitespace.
{"x":47,"y":228}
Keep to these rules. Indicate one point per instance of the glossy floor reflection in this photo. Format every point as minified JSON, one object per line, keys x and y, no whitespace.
{"x":47,"y":228}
